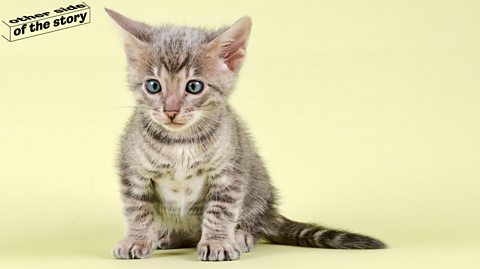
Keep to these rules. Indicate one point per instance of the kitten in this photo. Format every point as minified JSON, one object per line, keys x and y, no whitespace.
{"x":190,"y":175}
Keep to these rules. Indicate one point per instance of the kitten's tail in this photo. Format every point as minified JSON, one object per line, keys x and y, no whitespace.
{"x":287,"y":232}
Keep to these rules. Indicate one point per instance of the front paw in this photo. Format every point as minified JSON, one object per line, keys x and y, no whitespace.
{"x":131,"y":248}
{"x":218,"y":250}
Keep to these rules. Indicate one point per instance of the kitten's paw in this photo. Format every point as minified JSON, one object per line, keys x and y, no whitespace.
{"x":218,"y":250}
{"x":244,"y":240}
{"x":130,"y":248}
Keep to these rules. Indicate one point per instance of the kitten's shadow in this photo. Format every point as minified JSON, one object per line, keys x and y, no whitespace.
{"x":185,"y":253}
{"x":190,"y":254}
{"x":261,"y":250}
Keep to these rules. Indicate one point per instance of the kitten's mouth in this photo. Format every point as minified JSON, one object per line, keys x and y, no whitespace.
{"x":175,"y":125}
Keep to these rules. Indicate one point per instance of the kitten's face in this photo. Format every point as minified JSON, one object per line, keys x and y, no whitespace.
{"x":176,"y":100}
{"x":178,"y":81}
{"x":182,"y":75}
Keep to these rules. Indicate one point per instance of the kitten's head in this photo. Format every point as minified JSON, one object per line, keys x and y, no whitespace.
{"x":182,"y":75}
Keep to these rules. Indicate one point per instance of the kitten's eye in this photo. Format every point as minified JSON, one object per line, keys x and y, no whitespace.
{"x":153,"y":86}
{"x":194,"y":87}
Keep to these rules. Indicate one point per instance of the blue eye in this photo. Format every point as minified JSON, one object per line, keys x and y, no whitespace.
{"x":194,"y":87}
{"x":153,"y":86}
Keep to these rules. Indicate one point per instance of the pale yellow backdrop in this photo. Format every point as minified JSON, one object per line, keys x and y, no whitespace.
{"x":366,"y":113}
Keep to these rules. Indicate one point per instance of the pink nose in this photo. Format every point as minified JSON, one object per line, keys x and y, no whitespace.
{"x":171,"y":114}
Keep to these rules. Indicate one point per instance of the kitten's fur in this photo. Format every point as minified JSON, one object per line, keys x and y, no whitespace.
{"x":198,"y":182}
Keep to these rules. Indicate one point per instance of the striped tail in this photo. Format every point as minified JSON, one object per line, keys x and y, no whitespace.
{"x":287,"y":232}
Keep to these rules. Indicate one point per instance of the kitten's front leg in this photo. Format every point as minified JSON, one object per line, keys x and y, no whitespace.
{"x":141,"y":239}
{"x":219,"y":221}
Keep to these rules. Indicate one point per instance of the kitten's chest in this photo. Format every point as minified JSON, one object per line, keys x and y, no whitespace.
{"x":180,"y":174}
{"x":182,"y":188}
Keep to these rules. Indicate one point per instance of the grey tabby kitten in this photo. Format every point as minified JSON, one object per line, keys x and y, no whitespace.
{"x":190,"y":175}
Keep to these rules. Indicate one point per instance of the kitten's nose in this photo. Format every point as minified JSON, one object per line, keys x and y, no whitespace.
{"x":171,"y":114}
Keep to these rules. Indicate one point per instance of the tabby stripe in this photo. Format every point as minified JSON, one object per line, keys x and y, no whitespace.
{"x":216,"y":236}
{"x":153,"y":162}
{"x":132,"y":183}
{"x":194,"y":165}
{"x":215,"y":88}
{"x":134,"y":208}
{"x":223,"y":197}
{"x":235,"y":188}
{"x":309,"y":239}
{"x":296,"y":231}
{"x":142,"y":216}
{"x":154,"y":173}
{"x":164,"y":165}
{"x":223,"y":209}
{"x":305,"y":235}
{"x":216,"y":176}
{"x":167,"y":67}
{"x":140,"y":197}
{"x":217,"y":214}
{"x":211,"y":227}
{"x":182,"y":65}
{"x":318,"y":238}
{"x":220,"y":214}
{"x":216,"y":222}
{"x":149,"y":141}
{"x":144,"y":152}
{"x":328,"y":237}
{"x":139,"y":228}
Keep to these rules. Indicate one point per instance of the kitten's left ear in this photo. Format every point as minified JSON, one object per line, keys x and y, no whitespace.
{"x":230,"y":45}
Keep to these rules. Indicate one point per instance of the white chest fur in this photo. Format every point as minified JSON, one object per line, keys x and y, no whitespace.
{"x":180,"y":176}
{"x":180,"y":189}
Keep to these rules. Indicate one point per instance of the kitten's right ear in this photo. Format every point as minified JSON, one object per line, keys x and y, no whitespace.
{"x":136,"y":35}
{"x":230,"y":45}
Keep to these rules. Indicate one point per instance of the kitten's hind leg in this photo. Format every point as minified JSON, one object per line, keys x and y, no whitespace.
{"x":171,"y":239}
{"x":245,"y":240}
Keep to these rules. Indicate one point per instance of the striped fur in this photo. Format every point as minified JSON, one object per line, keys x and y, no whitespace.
{"x":290,"y":232}
{"x":202,"y":184}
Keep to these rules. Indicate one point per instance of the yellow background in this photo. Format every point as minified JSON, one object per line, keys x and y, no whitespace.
{"x":365,"y":112}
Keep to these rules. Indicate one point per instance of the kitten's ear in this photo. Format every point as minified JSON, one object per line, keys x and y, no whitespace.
{"x":136,"y":34}
{"x":230,"y":45}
